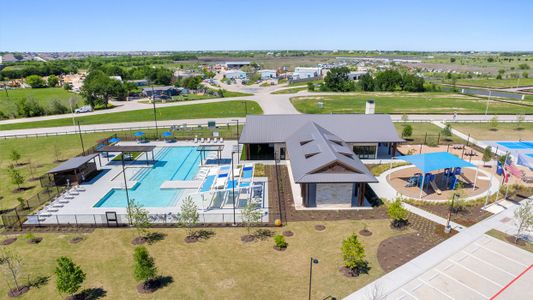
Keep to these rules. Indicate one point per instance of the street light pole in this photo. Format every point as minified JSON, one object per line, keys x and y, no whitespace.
{"x":81,"y":138}
{"x":155,"y":114}
{"x":447,"y":228}
{"x":233,"y":188}
{"x":237,"y":132}
{"x":126,"y":185}
{"x":245,"y":108}
{"x":311,"y":262}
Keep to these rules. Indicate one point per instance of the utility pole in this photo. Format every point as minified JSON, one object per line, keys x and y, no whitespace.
{"x":155,"y":114}
{"x":81,"y":138}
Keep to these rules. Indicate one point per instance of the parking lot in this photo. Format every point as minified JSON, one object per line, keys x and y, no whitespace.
{"x":486,"y":269}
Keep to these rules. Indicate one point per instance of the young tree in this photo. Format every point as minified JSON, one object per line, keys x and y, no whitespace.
{"x":15,"y":176}
{"x":487,"y":155}
{"x":310,"y":87}
{"x":366,"y":82}
{"x":405,"y":118}
{"x":11,"y":264}
{"x":69,"y":276}
{"x":144,"y":266}
{"x":520,"y":118}
{"x":35,"y":81}
{"x":250,"y":215}
{"x":397,"y":213}
{"x":15,"y":156}
{"x":523,"y":218}
{"x":138,"y":217}
{"x":337,"y":80}
{"x":407,"y":131}
{"x":447,"y":130}
{"x":493,"y":123}
{"x":353,"y":254}
{"x":53,"y":81}
{"x":189,"y":215}
{"x":57,"y":152}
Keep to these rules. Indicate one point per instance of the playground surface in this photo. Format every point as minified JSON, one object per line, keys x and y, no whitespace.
{"x":399,"y":181}
{"x":487,"y":268}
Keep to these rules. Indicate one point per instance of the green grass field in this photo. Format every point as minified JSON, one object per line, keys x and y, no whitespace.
{"x":290,"y":91}
{"x":421,"y":129}
{"x":43,"y":96}
{"x":504,"y":131}
{"x":194,"y":111}
{"x":412,"y":103}
{"x":304,"y":83}
{"x":496,"y":83}
{"x":221,"y":267}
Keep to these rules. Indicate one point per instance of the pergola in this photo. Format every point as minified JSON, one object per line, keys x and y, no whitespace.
{"x":429,"y":162}
{"x":210,"y":148}
{"x":76,"y":169}
{"x":129,"y":149}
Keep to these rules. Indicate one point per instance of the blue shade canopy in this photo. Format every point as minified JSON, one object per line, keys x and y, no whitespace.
{"x":167,"y":134}
{"x":138,"y":133}
{"x":113,"y":140}
{"x":436,"y":161}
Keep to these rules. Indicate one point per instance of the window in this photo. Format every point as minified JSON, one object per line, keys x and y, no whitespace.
{"x":365,"y":151}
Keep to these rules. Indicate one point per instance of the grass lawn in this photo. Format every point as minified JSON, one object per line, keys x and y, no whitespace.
{"x":222,"y":267}
{"x":421,"y":129}
{"x":304,"y":83}
{"x":43,"y":96}
{"x":496,"y":83}
{"x":504,"y":132}
{"x":400,"y":102}
{"x":194,"y":111}
{"x":228,"y":94}
{"x":291,"y":90}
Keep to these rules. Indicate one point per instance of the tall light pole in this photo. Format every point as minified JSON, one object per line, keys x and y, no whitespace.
{"x":237,"y":132}
{"x":488,"y":100}
{"x":233,"y":188}
{"x":81,"y":138}
{"x":245,"y":108}
{"x":447,"y":228}
{"x":312,"y":261}
{"x":126,"y":185}
{"x":155,"y":114}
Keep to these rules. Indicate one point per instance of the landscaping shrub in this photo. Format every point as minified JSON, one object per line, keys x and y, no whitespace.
{"x":353,"y":255}
{"x":407,"y":131}
{"x":69,"y":276}
{"x":397,"y":213}
{"x":57,"y":108}
{"x":279,"y":241}
{"x":144,"y":266}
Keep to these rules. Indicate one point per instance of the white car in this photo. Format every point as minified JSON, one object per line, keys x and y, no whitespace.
{"x":83,"y":109}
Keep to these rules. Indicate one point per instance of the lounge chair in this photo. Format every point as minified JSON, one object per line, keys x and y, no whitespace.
{"x":57,"y":205}
{"x":79,"y":188}
{"x":215,"y":140}
{"x":73,"y":191}
{"x":201,"y":140}
{"x":222,"y":140}
{"x":68,"y":196}
{"x":208,"y":140}
{"x":196,"y":140}
{"x":63,"y":201}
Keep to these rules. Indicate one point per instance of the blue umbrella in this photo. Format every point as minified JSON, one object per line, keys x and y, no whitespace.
{"x":138,"y":133}
{"x":166,"y":134}
{"x":113,"y":140}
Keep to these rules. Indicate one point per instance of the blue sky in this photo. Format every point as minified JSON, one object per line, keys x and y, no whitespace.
{"x":95,"y":25}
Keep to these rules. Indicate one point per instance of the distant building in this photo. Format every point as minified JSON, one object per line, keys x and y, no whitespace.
{"x":268,"y":74}
{"x":119,"y":78}
{"x":160,"y":91}
{"x":140,"y":82}
{"x":235,"y":74}
{"x":236,"y":64}
{"x":303,"y":73}
{"x":356,"y":75}
{"x":185,"y":74}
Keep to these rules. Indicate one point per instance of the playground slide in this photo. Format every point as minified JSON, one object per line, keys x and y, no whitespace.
{"x":435,"y":188}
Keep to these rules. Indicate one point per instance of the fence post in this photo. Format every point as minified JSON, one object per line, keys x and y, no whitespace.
{"x":94,"y":218}
{"x":76,"y":219}
{"x":18,"y":218}
{"x":438,"y":139}
{"x":425,"y":138}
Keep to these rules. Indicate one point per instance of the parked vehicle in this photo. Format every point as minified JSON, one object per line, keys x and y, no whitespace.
{"x":83,"y":109}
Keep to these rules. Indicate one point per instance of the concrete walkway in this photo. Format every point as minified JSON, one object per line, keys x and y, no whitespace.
{"x":402,"y":275}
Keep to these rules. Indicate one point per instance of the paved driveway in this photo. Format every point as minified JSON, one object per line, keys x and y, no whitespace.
{"x":485,"y":269}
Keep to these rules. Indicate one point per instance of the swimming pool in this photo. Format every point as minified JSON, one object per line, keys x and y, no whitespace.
{"x":173,"y":163}
{"x":517,"y":145}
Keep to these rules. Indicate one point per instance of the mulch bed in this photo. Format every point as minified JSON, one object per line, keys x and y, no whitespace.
{"x":76,"y":240}
{"x":35,"y":240}
{"x":469,"y":216}
{"x":14,"y":292}
{"x":247,"y":238}
{"x":8,"y":241}
{"x":365,"y":232}
{"x":289,"y":213}
{"x":139,"y":240}
{"x":511,"y":239}
{"x":348,"y":272}
{"x":288,"y":233}
{"x":280,"y":249}
{"x":191,"y":239}
{"x":320,"y":227}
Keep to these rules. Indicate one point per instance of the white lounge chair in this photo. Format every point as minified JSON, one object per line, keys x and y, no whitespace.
{"x":208,"y":140}
{"x":195,"y":140}
{"x":215,"y":140}
{"x":73,"y":192}
{"x":63,"y":201}
{"x":222,"y":140}
{"x":201,"y":140}
{"x":68,"y":196}
{"x":80,"y":188}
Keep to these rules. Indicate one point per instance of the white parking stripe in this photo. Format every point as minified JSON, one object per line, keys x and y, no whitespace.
{"x":466,"y":286}
{"x":436,"y":289}
{"x":476,"y":273}
{"x":488,"y":263}
{"x":499,"y":254}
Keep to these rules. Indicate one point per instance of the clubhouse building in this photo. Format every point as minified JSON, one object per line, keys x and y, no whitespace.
{"x":323,"y":152}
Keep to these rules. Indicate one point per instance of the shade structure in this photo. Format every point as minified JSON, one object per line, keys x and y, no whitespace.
{"x":138,"y":133}
{"x":113,"y":140}
{"x":166,"y":134}
{"x":436,"y":161}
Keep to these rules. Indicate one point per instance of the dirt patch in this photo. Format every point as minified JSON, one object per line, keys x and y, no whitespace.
{"x":365,"y":232}
{"x":467,"y":216}
{"x":320,"y":227}
{"x":349,"y":272}
{"x":76,"y":239}
{"x":35,"y":240}
{"x":139,"y":240}
{"x":279,"y":248}
{"x":248,"y":238}
{"x":288,"y":233}
{"x":8,"y":241}
{"x":14,"y":292}
{"x":395,"y":251}
{"x":511,"y":239}
{"x":191,"y":239}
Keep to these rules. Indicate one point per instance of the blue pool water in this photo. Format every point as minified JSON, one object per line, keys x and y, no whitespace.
{"x":530,"y":155}
{"x":173,"y":163}
{"x":517,"y":145}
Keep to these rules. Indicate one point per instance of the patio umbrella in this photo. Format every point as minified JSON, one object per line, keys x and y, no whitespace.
{"x":138,"y":133}
{"x":113,"y":140}
{"x":166,"y":134}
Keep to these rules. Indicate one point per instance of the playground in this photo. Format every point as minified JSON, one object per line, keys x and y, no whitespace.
{"x":438,"y":176}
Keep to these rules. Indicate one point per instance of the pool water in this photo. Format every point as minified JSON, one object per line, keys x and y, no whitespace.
{"x":517,"y":145}
{"x":173,"y":163}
